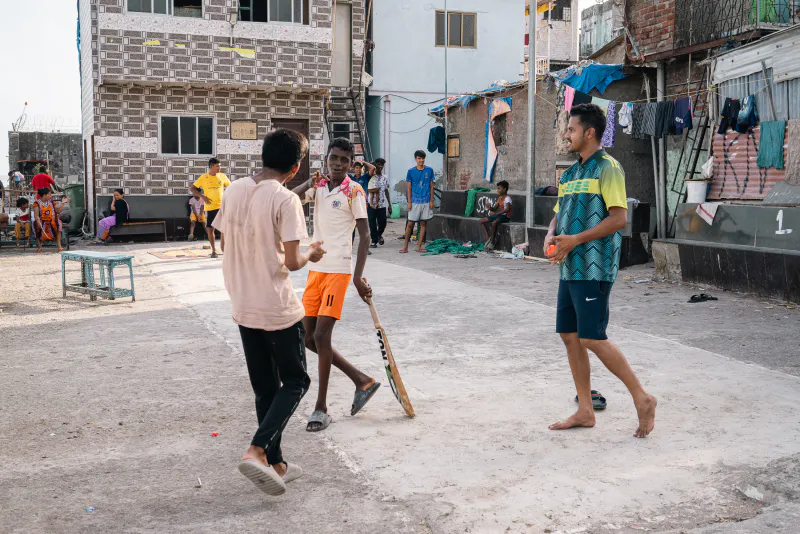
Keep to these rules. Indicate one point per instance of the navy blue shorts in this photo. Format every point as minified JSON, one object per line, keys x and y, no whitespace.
{"x":499,"y":218}
{"x":583,"y":308}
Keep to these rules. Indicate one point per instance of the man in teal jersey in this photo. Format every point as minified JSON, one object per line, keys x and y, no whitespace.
{"x":591,"y":212}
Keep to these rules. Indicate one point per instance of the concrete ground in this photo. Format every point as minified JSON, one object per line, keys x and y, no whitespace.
{"x":111,"y":404}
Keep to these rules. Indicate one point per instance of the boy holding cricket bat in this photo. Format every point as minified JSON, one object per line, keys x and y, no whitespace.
{"x":262,"y":224}
{"x":339,"y":207}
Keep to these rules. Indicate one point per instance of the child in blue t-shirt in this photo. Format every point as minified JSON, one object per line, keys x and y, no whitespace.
{"x":419,"y":184}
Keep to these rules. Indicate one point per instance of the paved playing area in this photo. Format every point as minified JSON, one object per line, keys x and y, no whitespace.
{"x":132,"y":392}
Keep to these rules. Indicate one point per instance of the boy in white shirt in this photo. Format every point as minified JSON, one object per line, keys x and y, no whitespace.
{"x":339,"y":207}
{"x":23,"y":220}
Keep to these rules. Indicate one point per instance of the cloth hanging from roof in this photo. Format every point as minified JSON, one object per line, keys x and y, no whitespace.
{"x":569,"y":97}
{"x":638,"y":112}
{"x":748,"y":116}
{"x":729,"y":115}
{"x":497,"y":107}
{"x":610,"y":135}
{"x":770,"y":149}
{"x":682,"y":118}
{"x":471,"y":196}
{"x":593,"y":76}
{"x":580,"y":98}
{"x":665,"y":118}
{"x":793,"y":153}
{"x":437,"y":140}
{"x":626,"y":117}
{"x":649,"y":119}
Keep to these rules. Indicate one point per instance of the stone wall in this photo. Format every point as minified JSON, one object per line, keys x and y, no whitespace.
{"x":127,"y":143}
{"x":63,"y":150}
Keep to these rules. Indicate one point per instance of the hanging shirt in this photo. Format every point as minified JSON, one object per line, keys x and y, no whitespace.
{"x":610,"y":135}
{"x":729,"y":115}
{"x":637,"y":120}
{"x":665,"y":118}
{"x":682,"y":117}
{"x":649,"y":119}
{"x":625,"y":117}
{"x":748,"y":115}
{"x":586,"y":192}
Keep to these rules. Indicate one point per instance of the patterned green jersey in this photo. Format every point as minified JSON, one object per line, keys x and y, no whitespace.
{"x":586,"y":191}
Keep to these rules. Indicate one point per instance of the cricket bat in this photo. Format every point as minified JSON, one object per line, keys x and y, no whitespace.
{"x":392,"y":373}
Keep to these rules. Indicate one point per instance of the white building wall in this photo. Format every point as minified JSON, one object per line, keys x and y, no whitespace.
{"x":409,"y":69}
{"x":563,"y":37}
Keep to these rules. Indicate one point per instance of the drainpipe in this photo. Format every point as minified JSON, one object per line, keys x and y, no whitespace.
{"x":529,"y":211}
{"x":387,"y":135}
{"x":661,"y":90}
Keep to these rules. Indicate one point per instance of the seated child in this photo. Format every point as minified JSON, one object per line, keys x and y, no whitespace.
{"x":23,"y":220}
{"x":46,"y":224}
{"x":499,"y":213}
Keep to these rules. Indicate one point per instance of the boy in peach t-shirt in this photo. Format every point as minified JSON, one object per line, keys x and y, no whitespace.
{"x":262,"y":224}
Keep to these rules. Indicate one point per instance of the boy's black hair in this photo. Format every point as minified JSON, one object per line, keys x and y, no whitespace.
{"x":21,"y":201}
{"x":283,"y":149}
{"x":420,"y":154}
{"x":358,"y":164}
{"x":380,"y":161}
{"x":212,"y":161}
{"x":43,"y":191}
{"x":342,"y":144}
{"x":120,"y":191}
{"x":503,"y":184}
{"x":590,"y":116}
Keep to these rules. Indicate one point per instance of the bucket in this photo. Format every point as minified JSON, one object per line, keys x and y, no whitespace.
{"x":696,"y":191}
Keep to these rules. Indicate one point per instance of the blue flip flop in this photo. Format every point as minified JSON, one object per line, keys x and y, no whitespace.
{"x":361,"y":398}
{"x":598,"y":400}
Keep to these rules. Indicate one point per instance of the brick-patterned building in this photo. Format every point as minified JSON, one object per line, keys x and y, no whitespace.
{"x":167,"y":84}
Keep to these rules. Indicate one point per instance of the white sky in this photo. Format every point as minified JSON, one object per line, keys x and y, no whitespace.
{"x":39,"y":61}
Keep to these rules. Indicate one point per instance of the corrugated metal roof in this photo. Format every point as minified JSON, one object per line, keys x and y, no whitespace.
{"x":779,"y":51}
{"x":736,"y":174}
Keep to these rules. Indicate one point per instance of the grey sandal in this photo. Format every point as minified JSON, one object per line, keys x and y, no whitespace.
{"x":361,"y":398}
{"x":321,"y":418}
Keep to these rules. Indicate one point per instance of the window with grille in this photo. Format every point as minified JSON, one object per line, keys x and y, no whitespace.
{"x":190,"y":136}
{"x":562,"y":11}
{"x":286,"y":11}
{"x":456,"y":30}
{"x":179,"y":8}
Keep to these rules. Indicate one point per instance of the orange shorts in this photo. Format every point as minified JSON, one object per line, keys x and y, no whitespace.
{"x":324,"y":294}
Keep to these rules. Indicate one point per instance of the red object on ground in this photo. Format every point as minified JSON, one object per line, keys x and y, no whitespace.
{"x":214,"y":434}
{"x":551,"y":250}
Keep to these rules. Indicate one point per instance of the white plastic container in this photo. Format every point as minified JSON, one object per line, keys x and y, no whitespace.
{"x":696,"y":191}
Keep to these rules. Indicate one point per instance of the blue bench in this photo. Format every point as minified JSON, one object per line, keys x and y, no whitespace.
{"x":88,"y":285}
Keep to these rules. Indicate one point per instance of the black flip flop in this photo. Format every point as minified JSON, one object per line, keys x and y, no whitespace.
{"x":361,"y":398}
{"x":598,"y":401}
{"x":702,"y":297}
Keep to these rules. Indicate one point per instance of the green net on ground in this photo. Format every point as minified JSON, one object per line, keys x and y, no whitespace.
{"x":451,"y":246}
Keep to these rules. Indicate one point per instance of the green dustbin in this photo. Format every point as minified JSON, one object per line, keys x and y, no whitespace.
{"x":77,"y":206}
{"x":395,"y":211}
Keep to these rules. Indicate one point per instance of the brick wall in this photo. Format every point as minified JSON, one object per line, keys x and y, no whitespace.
{"x":128,"y":146}
{"x":652,"y":23}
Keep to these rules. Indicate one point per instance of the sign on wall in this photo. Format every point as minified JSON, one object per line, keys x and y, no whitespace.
{"x":244,"y":130}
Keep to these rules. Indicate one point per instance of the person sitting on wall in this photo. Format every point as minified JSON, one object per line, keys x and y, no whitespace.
{"x":499,"y":213}
{"x":47,"y":225}
{"x":120,"y":214}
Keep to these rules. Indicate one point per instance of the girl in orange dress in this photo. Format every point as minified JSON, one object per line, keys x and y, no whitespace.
{"x":47,"y":225}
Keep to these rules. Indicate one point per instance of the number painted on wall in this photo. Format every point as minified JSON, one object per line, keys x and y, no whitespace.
{"x":781,"y":230}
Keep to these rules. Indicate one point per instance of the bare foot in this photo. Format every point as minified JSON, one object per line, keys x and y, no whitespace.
{"x":39,"y":250}
{"x":60,"y":249}
{"x":367,"y":386}
{"x":257,"y":454}
{"x":647,"y":417}
{"x":421,"y":250}
{"x":280,"y":469}
{"x":577,"y":420}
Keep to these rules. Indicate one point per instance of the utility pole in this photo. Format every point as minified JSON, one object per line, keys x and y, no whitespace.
{"x":529,"y":212}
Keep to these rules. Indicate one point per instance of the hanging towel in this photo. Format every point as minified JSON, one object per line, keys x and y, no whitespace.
{"x":436,"y":140}
{"x":770,"y":149}
{"x":649,"y":120}
{"x":793,"y":154}
{"x":748,"y":116}
{"x":569,"y":97}
{"x":625,"y":113}
{"x":562,"y":145}
{"x":683,"y":115}
{"x":730,"y":114}
{"x":610,"y":135}
{"x":665,"y":115}
{"x":637,"y":120}
{"x":594,"y":76}
{"x":471,"y":195}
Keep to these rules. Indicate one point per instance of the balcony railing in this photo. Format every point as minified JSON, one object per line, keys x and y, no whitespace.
{"x":703,"y":21}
